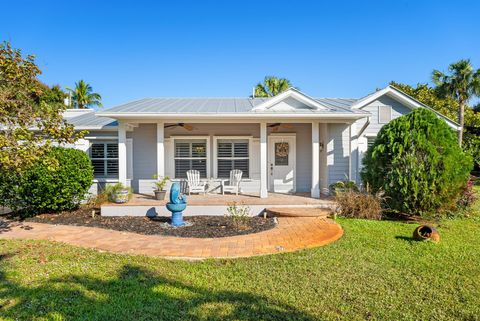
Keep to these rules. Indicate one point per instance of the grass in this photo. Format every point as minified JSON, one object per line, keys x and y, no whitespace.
{"x":376,"y":271}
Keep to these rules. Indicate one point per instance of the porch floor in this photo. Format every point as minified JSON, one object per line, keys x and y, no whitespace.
{"x":297,"y":199}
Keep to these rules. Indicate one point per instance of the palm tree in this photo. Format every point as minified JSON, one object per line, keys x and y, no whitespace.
{"x":272,"y":86}
{"x":461,"y":84}
{"x":83,"y":97}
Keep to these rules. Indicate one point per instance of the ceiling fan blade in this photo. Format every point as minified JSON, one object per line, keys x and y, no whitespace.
{"x":274,"y":125}
{"x":188,"y":127}
{"x":288,"y":126}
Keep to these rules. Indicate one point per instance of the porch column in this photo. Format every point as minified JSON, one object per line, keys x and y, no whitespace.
{"x":315,"y":192}
{"x":122,"y":153}
{"x":160,"y":149}
{"x":263,"y":161}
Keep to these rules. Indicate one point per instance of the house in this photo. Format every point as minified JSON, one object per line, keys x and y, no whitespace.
{"x":285,"y":144}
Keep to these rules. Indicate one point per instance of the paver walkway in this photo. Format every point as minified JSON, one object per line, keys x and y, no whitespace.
{"x":291,"y":234}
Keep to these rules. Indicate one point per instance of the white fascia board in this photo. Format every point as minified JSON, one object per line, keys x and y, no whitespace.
{"x":293,"y":93}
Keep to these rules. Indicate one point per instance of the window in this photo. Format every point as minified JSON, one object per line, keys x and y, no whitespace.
{"x":281,"y":154}
{"x":232,"y":154}
{"x":190,"y":154}
{"x":384,"y":114}
{"x":104,"y":158}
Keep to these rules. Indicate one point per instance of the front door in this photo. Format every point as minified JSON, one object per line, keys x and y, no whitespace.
{"x":281,"y":164}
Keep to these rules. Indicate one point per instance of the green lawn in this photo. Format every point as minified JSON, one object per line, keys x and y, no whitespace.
{"x":375,"y":271}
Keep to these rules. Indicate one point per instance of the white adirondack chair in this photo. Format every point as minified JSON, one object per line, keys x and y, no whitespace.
{"x":194,"y":183}
{"x":233,"y":184}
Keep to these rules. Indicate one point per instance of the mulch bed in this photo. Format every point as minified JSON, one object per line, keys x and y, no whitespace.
{"x":200,"y":226}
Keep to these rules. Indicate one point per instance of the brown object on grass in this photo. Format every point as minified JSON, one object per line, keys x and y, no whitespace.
{"x":426,"y":232}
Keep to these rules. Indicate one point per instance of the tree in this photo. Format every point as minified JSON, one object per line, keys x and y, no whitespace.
{"x":415,"y":160}
{"x":30,"y":113}
{"x":83,"y":97}
{"x":272,"y":86}
{"x":461,"y":84}
{"x":449,"y":107}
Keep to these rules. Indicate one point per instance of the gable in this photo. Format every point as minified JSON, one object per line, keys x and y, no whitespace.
{"x":290,"y":104}
{"x":291,"y":100}
{"x":400,"y":101}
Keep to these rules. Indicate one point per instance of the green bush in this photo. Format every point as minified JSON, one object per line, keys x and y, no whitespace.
{"x":343,"y":186}
{"x":54,"y":186}
{"x":417,"y":162}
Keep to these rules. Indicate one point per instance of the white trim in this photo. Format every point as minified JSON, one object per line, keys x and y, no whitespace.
{"x":293,"y":152}
{"x":105,"y":180}
{"x":291,"y":93}
{"x":315,"y":191}
{"x":263,"y":161}
{"x":101,"y":137}
{"x":122,"y":154}
{"x":160,"y":149}
{"x":215,"y":158}
{"x":324,"y":159}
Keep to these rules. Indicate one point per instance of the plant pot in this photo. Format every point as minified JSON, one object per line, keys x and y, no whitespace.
{"x":160,"y":195}
{"x":426,"y":232}
{"x":122,"y":196}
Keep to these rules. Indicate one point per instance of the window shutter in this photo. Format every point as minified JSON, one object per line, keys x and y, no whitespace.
{"x":240,"y":149}
{"x":232,"y":154}
{"x":190,"y":155}
{"x":182,"y":149}
{"x":97,"y":150}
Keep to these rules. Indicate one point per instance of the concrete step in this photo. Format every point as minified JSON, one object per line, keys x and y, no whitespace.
{"x":298,"y":211}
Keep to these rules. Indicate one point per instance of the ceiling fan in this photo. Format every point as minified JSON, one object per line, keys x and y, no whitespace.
{"x":183,"y":125}
{"x":275,"y":127}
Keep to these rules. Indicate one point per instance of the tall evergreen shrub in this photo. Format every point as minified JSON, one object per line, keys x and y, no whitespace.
{"x":416,"y":160}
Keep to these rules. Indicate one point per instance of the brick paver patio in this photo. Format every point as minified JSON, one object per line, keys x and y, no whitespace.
{"x":291,"y":234}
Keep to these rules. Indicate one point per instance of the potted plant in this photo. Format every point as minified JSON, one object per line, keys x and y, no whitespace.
{"x":160,"y":191}
{"x":118,"y":193}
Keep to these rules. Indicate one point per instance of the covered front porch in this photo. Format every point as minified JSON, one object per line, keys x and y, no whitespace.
{"x":288,"y":157}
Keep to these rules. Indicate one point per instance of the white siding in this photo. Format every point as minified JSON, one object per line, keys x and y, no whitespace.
{"x":337,"y":152}
{"x":144,"y":157}
{"x":397,"y":110}
{"x":374,"y":127}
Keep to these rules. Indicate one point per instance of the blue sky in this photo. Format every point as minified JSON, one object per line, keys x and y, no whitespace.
{"x":129,"y":50}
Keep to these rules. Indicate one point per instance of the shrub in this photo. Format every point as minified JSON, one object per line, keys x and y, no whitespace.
{"x":467,"y":197}
{"x":359,"y":204}
{"x":416,"y":160}
{"x":58,"y":184}
{"x":239,"y":214}
{"x":343,"y":186}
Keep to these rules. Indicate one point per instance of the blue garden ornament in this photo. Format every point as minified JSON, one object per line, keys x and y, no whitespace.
{"x":177,"y":204}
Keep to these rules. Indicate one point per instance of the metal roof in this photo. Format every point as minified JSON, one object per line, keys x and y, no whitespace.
{"x":217,"y":105}
{"x":203,"y":105}
{"x":90,"y":120}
